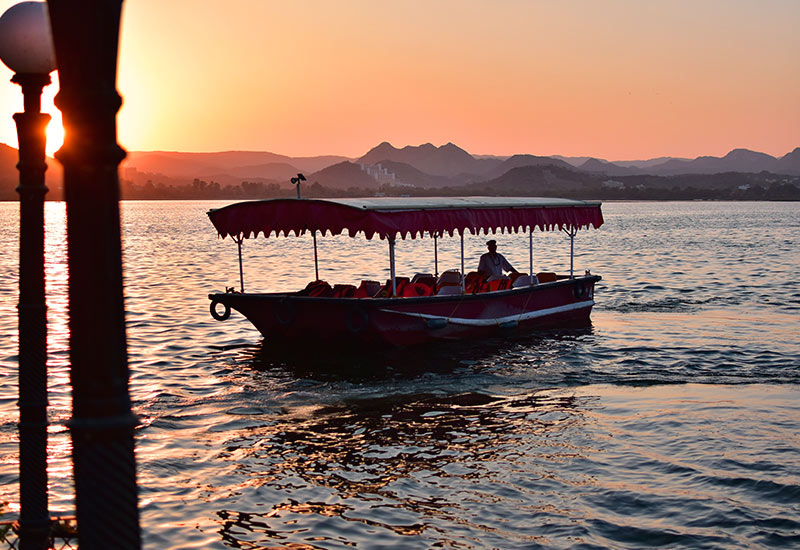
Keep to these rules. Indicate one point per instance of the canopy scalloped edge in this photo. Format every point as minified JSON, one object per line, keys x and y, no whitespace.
{"x":390,"y":218}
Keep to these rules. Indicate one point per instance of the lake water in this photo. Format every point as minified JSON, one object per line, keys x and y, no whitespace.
{"x":673,"y":421}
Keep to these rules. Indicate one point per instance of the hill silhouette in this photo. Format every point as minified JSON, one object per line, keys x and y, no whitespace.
{"x":608,"y":168}
{"x":277,"y":171}
{"x":427,"y":169}
{"x":407,"y":174}
{"x":542,"y":179}
{"x":737,"y":160}
{"x":9,"y":175}
{"x":518,"y":161}
{"x":449,"y":160}
{"x":343,"y":175}
{"x":225,"y":165}
{"x":432,"y":163}
{"x":789,"y":163}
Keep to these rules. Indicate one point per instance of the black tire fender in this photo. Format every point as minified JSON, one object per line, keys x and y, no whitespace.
{"x":220,"y":316}
{"x":581,"y":291}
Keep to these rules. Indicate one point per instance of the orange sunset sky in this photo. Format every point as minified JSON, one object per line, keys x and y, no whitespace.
{"x":625,"y":79}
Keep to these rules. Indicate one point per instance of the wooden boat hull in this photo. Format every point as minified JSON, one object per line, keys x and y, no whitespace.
{"x":289,"y":319}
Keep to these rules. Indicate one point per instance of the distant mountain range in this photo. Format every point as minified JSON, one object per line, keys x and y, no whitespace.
{"x":225,"y":167}
{"x":449,"y":160}
{"x":738,"y":160}
{"x":424,"y":167}
{"x":427,"y":166}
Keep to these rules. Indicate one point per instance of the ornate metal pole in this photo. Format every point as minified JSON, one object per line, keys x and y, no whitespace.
{"x":86,"y":36}
{"x":27,"y":48}
{"x":31,"y":126}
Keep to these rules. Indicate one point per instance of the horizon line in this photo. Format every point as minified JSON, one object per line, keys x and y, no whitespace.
{"x":496,"y":155}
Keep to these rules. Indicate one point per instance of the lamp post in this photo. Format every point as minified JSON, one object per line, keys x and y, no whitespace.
{"x":26,"y":47}
{"x":296,"y":181}
{"x":86,"y":37}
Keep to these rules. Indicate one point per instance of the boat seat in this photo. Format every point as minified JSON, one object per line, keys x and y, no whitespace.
{"x":386,"y":290}
{"x":418,"y":276}
{"x":524,"y":280}
{"x":319,"y":289}
{"x":343,"y":291}
{"x":413,"y":290}
{"x":546,"y":277}
{"x":449,"y":278}
{"x":496,"y":284}
{"x":449,"y":290}
{"x":428,"y":280}
{"x":474,"y":281}
{"x":452,"y":277}
{"x":367,"y":289}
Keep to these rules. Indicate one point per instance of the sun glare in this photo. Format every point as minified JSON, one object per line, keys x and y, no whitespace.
{"x":55,"y":134}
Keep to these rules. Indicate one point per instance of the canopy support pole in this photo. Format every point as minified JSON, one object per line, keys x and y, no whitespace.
{"x":530,"y":251}
{"x":572,"y":232}
{"x":391,"y":266}
{"x":436,"y":254}
{"x":462,"y":262}
{"x":316,"y":263}
{"x":239,"y":240}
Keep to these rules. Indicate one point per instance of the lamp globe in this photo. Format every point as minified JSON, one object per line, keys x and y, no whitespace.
{"x":26,"y":41}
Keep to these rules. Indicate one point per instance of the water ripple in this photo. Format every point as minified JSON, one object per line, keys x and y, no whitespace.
{"x":671,"y":420}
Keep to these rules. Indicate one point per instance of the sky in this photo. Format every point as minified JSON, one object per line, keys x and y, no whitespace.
{"x":614,"y":79}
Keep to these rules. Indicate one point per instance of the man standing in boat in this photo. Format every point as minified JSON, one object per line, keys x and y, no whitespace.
{"x":493,"y":263}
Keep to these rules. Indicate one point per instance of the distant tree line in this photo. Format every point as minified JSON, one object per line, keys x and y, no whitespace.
{"x":627,"y":188}
{"x":200,"y":189}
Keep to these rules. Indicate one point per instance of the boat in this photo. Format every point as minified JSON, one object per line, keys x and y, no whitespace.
{"x":408,"y":310}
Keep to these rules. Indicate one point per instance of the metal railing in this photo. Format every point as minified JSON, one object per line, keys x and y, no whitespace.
{"x":63,"y":534}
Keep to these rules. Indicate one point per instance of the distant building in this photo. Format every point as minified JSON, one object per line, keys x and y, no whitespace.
{"x":613,"y":184}
{"x":379,"y":173}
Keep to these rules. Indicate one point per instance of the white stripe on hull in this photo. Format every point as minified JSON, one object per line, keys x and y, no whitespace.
{"x":498,"y":320}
